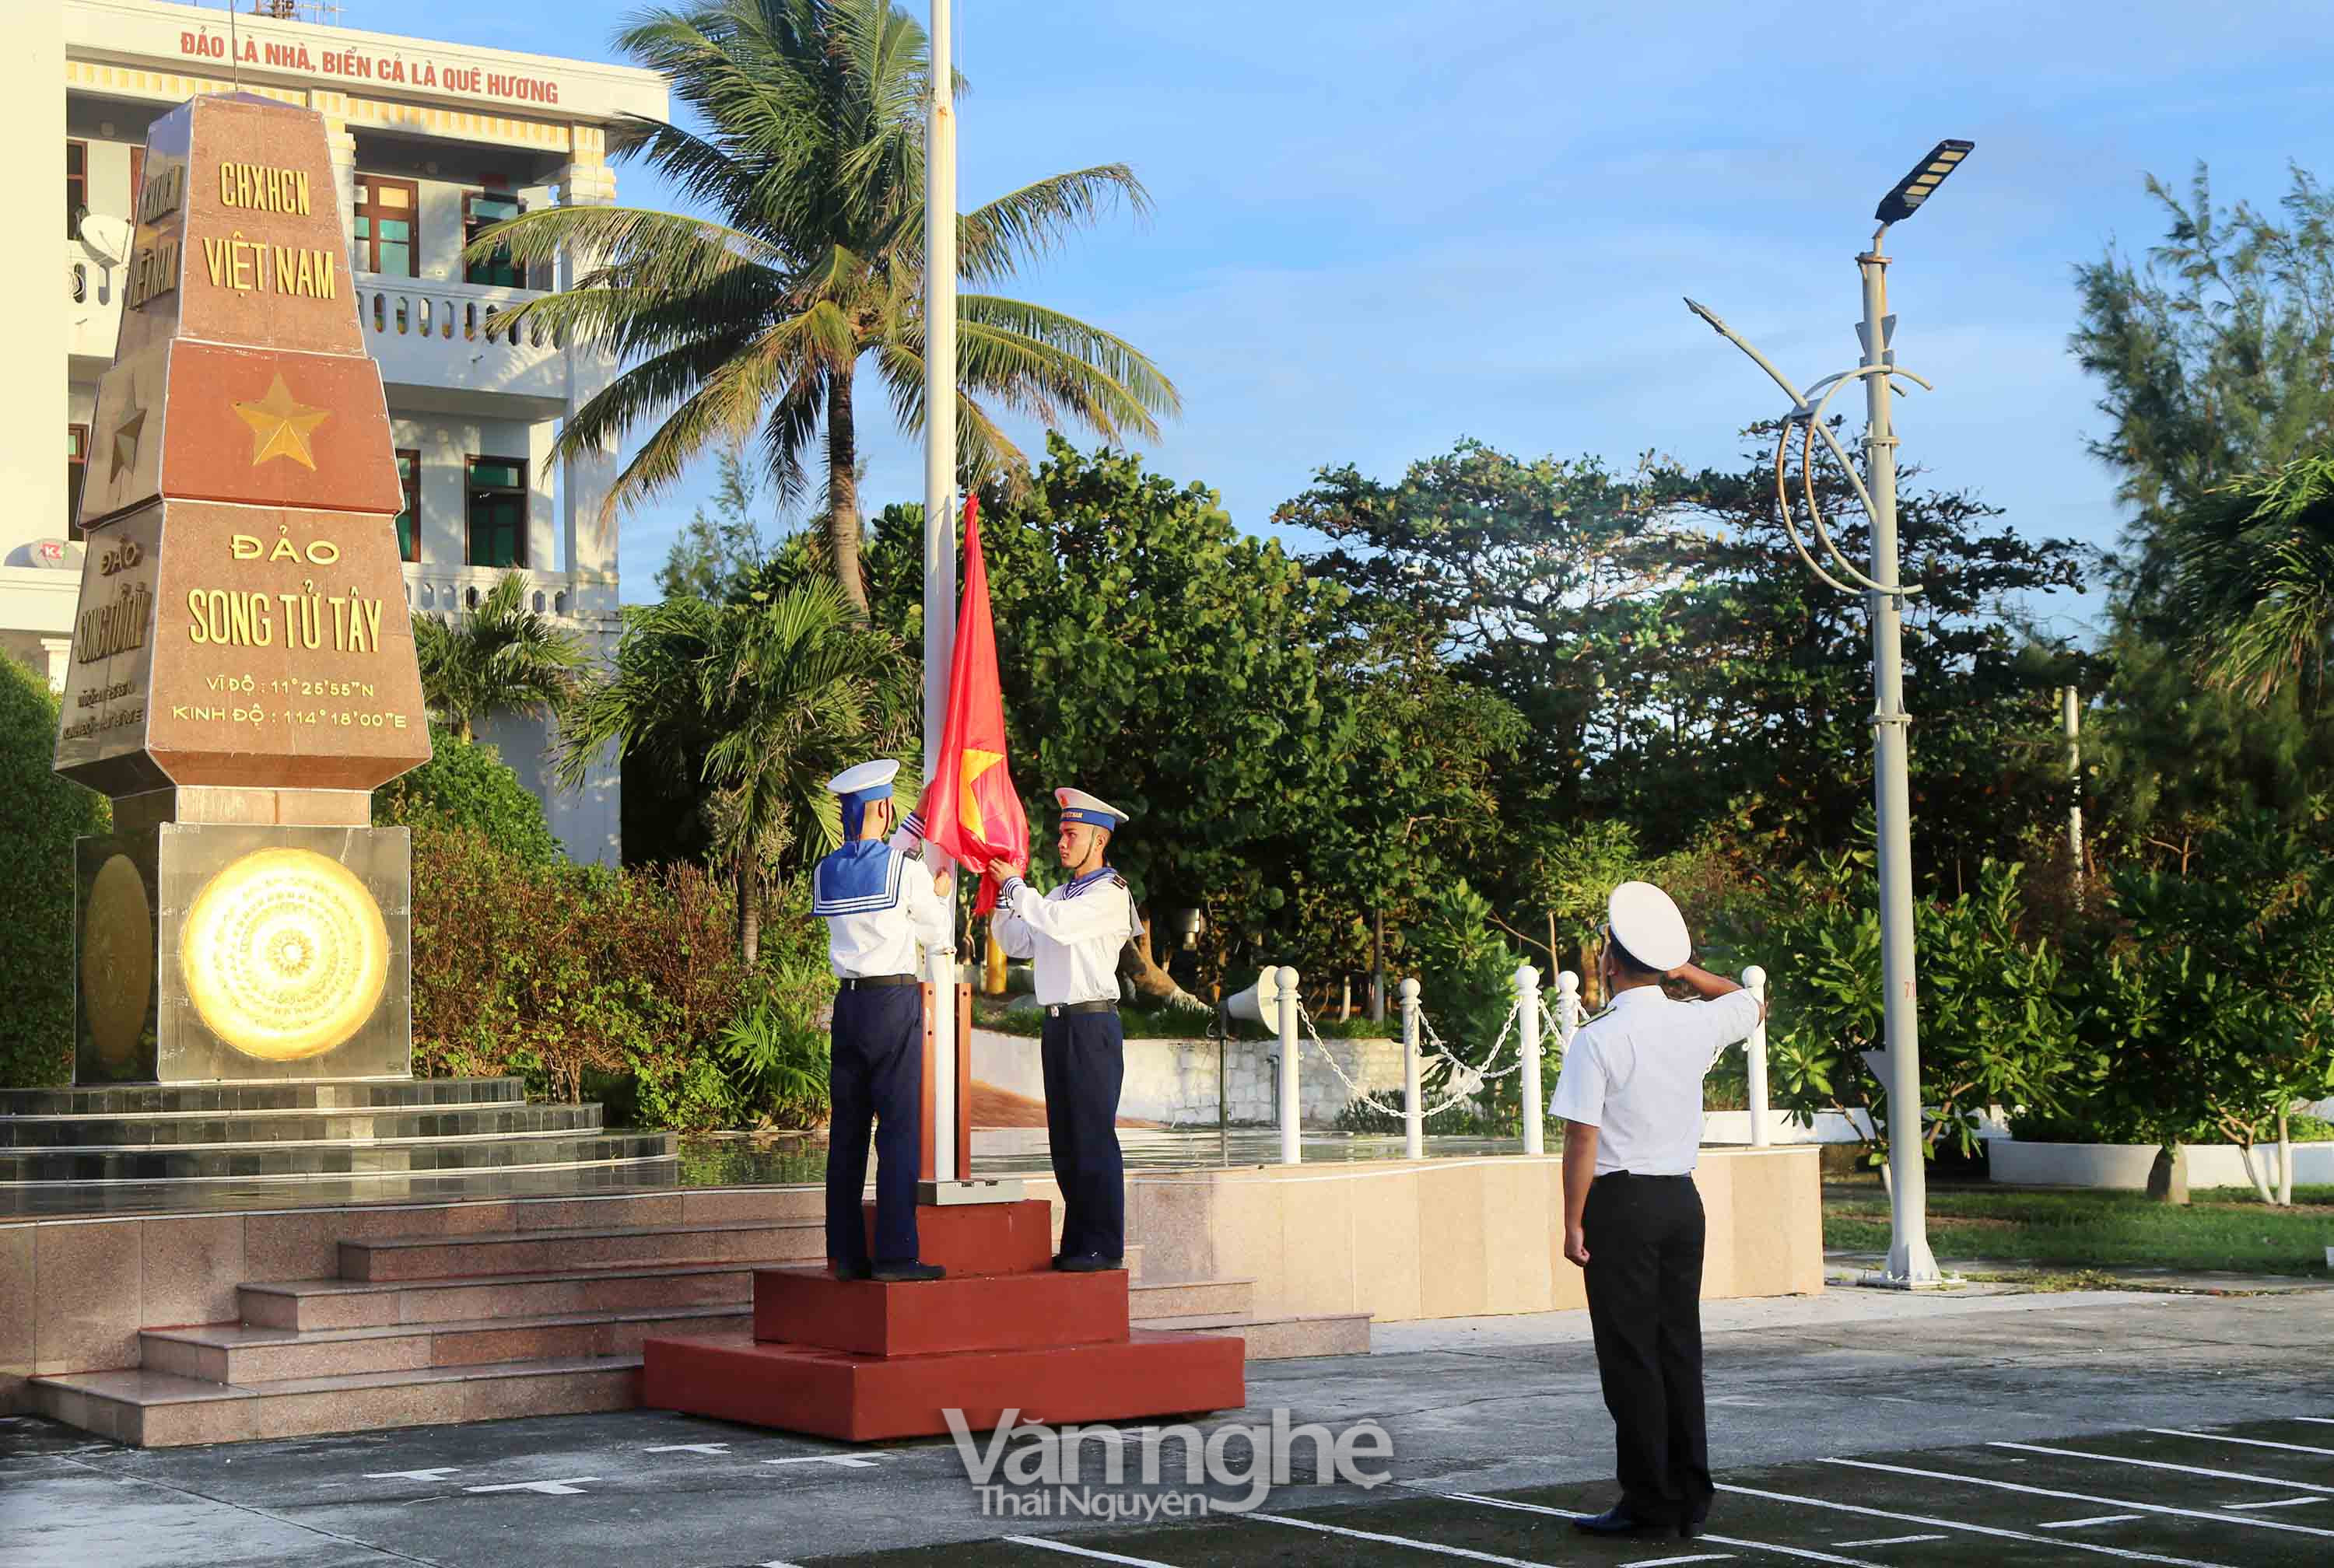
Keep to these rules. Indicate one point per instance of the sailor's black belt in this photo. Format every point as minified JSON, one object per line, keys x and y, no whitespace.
{"x":1641,"y":1175}
{"x":1065,"y":1009}
{"x":872,"y":982}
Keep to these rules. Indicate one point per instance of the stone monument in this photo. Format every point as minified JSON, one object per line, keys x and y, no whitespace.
{"x":243,"y":673}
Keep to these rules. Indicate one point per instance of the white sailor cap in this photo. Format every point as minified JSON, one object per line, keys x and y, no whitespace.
{"x":1077,"y":806}
{"x":869,"y":781}
{"x":1644,"y":922}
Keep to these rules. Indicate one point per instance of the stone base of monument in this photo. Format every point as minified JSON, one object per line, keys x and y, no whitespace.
{"x":864,"y":1360}
{"x":164,"y":1148}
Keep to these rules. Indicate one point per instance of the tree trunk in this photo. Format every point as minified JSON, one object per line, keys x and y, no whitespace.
{"x":749,"y":912}
{"x":2167,"y":1178}
{"x":1377,"y":966}
{"x":1153,"y":984}
{"x":2253,"y":1175}
{"x":464,"y":730}
{"x":843,"y":492}
{"x":2284,"y":1161}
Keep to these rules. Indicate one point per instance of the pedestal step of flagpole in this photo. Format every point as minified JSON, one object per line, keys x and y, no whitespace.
{"x":981,"y":1237}
{"x":866,"y":1398}
{"x":965,"y":1312}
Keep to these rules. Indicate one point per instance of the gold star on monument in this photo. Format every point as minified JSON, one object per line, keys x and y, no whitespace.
{"x":280,"y":425}
{"x":125,"y":440}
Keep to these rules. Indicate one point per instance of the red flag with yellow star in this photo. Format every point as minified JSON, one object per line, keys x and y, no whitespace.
{"x":970,"y":808}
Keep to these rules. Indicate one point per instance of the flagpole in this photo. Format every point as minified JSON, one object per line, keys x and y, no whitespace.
{"x":940,"y":521}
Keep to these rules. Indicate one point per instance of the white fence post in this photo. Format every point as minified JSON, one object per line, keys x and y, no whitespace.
{"x":1527,"y":1042}
{"x":1413,"y":1114}
{"x":1754,"y":1059}
{"x":1567,"y":1010}
{"x":1290,"y":1151}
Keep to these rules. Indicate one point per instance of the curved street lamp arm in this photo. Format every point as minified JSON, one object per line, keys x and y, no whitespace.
{"x":1783,"y":505}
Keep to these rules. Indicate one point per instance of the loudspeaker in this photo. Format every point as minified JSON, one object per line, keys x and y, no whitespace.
{"x":1248,"y":1005}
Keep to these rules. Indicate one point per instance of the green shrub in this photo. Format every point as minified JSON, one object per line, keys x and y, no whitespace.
{"x":41,"y":814}
{"x":627,"y":981}
{"x":466,"y":784}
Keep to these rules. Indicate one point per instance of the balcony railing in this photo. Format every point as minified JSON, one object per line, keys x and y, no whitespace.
{"x":446,"y":592}
{"x":458,"y":335}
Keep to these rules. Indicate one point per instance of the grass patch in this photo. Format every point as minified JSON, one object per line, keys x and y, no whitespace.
{"x":2224,"y":1230}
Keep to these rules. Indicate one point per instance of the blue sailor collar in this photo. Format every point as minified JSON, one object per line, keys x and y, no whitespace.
{"x":1092,"y":880}
{"x":861,"y":878}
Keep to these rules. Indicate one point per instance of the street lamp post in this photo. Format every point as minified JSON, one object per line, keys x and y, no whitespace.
{"x":1910,"y":1262}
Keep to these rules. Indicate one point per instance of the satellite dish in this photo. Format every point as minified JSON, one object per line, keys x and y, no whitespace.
{"x":105,"y":238}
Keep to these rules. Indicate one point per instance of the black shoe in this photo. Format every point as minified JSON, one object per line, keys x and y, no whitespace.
{"x":851,"y":1271}
{"x":1615,"y":1521}
{"x":1087,"y":1263}
{"x":895,"y":1272}
{"x":1691,"y":1529}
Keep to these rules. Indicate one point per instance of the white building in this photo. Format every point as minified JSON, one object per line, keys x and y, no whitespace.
{"x":431,"y":141}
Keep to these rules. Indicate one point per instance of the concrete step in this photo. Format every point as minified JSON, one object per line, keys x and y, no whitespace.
{"x":246,"y":1129}
{"x":167,"y":1099}
{"x":162,"y":1409}
{"x":296,"y":1158}
{"x":1273,"y":1336}
{"x":1171,"y":1298}
{"x":441,"y":1257}
{"x":338,"y":1304}
{"x":250,"y":1356}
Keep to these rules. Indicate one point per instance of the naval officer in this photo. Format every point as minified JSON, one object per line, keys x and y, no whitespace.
{"x":1630,"y":1095}
{"x":879,"y":902}
{"x":1073,"y":935}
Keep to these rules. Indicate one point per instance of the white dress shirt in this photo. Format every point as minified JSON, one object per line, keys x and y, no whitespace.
{"x":1634,"y":1073}
{"x":883,"y":941}
{"x":1073,"y":934}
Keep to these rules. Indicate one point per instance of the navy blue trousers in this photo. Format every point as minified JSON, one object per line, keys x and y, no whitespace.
{"x":1084,"y":1058}
{"x":1645,"y":1237}
{"x":877,"y":1082}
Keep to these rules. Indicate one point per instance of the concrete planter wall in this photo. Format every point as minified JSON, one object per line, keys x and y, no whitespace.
{"x":1174,"y":1081}
{"x":2123,"y":1167}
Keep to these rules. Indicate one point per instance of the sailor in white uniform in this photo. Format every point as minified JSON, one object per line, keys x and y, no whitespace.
{"x":1631,"y":1098}
{"x":879,"y":903}
{"x":1072,"y":935}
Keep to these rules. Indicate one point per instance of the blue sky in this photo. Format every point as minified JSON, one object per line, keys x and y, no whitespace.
{"x":1381,"y":227}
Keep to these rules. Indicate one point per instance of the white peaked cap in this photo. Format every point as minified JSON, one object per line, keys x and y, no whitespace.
{"x":1645,"y":920}
{"x":867,"y":775}
{"x":1071,"y":800}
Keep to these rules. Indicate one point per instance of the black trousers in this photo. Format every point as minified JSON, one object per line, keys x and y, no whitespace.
{"x":1645,"y":1237}
{"x":1084,"y":1058}
{"x":877,"y":1081}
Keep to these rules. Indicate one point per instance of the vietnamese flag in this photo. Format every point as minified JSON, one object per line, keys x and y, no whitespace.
{"x":970,"y":809}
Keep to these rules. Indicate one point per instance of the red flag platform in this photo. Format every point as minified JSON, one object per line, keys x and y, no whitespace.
{"x":863,"y":1360}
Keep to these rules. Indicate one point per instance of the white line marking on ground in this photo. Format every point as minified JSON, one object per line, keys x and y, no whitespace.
{"x":2281,"y":1502}
{"x":1994,"y":1530}
{"x":2314,"y":1420}
{"x":1891,"y":1540}
{"x":1064,"y":1547}
{"x":2247,"y":1442}
{"x":848,"y":1461}
{"x":686,"y":1448}
{"x":438,"y":1474}
{"x":1714,"y":1540}
{"x":2086,"y":1524}
{"x":2167,"y":1465}
{"x":566,"y":1489}
{"x":2083,"y":1498}
{"x":1472,"y":1557}
{"x":1666,"y":1562}
{"x":1742,"y":1399}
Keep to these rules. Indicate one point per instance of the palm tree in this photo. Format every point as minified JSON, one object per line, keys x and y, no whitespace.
{"x":762,"y":701}
{"x":500,"y":655}
{"x":754,"y":325}
{"x":2254,"y":583}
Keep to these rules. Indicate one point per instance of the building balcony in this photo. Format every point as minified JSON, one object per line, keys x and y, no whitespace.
{"x":435,"y":337}
{"x":443,"y":592}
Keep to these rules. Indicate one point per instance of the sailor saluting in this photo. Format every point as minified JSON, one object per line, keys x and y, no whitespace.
{"x":879,"y":902}
{"x":1631,"y":1097}
{"x":1073,"y":935}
